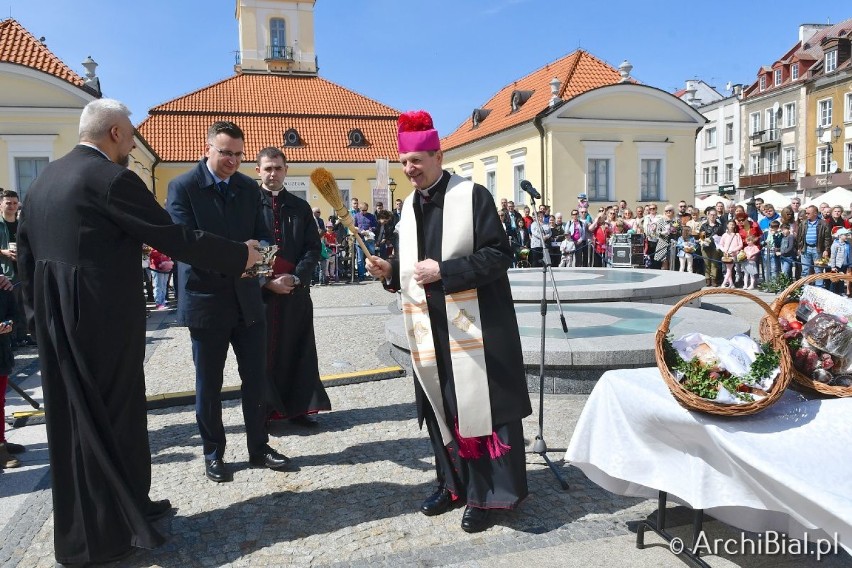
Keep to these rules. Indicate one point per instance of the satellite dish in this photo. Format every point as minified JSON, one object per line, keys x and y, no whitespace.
{"x":776,"y":107}
{"x":728,"y":86}
{"x":832,"y":167}
{"x":826,"y":136}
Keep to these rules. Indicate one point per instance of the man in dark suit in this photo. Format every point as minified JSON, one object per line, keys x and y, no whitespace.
{"x":79,"y":240}
{"x":222,"y":310}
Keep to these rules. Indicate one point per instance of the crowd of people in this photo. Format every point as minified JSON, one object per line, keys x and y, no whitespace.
{"x":732,"y":245}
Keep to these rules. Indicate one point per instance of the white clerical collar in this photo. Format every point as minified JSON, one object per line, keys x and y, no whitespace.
{"x":425,"y":192}
{"x":274,"y":193}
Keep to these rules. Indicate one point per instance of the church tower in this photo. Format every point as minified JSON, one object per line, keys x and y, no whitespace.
{"x":276,"y":36}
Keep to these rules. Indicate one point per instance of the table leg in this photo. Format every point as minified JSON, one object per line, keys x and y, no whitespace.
{"x":659,"y":527}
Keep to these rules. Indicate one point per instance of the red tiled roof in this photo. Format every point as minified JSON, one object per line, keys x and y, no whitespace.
{"x":577,"y":72}
{"x":20,"y":47}
{"x":267,"y":105}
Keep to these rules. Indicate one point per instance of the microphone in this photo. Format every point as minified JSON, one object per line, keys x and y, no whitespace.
{"x":527,"y":186}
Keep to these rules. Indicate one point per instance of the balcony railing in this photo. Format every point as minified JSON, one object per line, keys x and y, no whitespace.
{"x":772,"y":178}
{"x":766,"y":137}
{"x":279,"y":53}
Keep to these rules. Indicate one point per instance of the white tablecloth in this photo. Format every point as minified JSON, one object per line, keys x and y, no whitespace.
{"x":786,"y":469}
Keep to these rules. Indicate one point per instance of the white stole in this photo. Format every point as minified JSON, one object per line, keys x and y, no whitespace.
{"x":467,"y":351}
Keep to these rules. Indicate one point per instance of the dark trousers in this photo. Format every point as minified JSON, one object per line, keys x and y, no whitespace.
{"x":209,"y":351}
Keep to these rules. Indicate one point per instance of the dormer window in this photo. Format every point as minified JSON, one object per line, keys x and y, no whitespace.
{"x":519,"y":98}
{"x":794,"y":71}
{"x":777,"y":77}
{"x":478,"y":116}
{"x":292,"y":138}
{"x":830,"y":60}
{"x":763,"y":82}
{"x":356,"y":138}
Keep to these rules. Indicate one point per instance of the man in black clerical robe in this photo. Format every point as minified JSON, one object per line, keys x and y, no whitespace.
{"x":496,"y":478}
{"x":85,"y":220}
{"x":295,"y":389}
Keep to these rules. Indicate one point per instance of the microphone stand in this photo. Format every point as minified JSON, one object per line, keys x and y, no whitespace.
{"x":540,"y":446}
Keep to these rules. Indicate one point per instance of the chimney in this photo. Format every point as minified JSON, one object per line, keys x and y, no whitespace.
{"x":92,"y":80}
{"x":624,"y":70}
{"x":554,"y":92}
{"x":807,"y":31}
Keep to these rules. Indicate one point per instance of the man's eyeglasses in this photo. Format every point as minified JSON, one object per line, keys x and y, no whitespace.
{"x":228,"y":154}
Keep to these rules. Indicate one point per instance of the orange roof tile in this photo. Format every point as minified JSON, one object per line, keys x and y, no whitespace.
{"x":577,"y":72}
{"x":20,"y":47}
{"x":265,"y":106}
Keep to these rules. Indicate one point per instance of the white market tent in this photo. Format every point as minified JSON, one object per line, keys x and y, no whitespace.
{"x":837,"y":196}
{"x":771,"y":196}
{"x":703,"y":203}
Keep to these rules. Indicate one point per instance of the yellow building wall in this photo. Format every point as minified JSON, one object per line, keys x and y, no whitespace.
{"x":837,"y":93}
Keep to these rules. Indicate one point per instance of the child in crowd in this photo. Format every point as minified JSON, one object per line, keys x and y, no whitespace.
{"x":752,"y":252}
{"x":787,"y":250}
{"x":567,"y":248}
{"x":771,"y":245}
{"x":685,"y":248}
{"x":841,"y":259}
{"x":7,"y":363}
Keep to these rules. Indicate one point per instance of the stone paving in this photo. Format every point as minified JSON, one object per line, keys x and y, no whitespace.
{"x":362,"y":476}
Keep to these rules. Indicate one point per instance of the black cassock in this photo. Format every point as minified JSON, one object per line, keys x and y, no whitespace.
{"x":295,"y":388}
{"x":483,"y":482}
{"x":79,"y":246}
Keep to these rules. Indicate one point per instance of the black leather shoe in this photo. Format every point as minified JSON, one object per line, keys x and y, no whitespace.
{"x":305,"y":420}
{"x":217,"y":471}
{"x":158,"y":509}
{"x":15,"y":448}
{"x":474,"y":520}
{"x":438,"y":502}
{"x":271,"y":459}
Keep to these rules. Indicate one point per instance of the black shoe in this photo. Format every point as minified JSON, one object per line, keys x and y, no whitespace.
{"x":305,"y":420}
{"x":438,"y":502}
{"x":271,"y":459}
{"x":158,"y":509}
{"x":29,"y":341}
{"x":15,"y":448}
{"x":217,"y":471}
{"x":474,"y":520}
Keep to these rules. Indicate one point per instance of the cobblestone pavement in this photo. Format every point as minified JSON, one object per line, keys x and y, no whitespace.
{"x":362,"y":476}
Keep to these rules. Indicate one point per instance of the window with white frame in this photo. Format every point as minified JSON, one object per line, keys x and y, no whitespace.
{"x":26,"y":170}
{"x":777,"y":77}
{"x":789,"y":115}
{"x":771,"y":124}
{"x":518,"y":157}
{"x":706,"y":172}
{"x":27,"y":155}
{"x":729,"y":173}
{"x":490,"y":164}
{"x":790,"y":158}
{"x":824,"y":112}
{"x":794,"y":71}
{"x":822,"y":160}
{"x":772,"y":161}
{"x":652,"y":170}
{"x":754,"y":164}
{"x":600,"y":169}
{"x":710,"y":138}
{"x":729,"y":133}
{"x":714,"y":174}
{"x":651,"y":185}
{"x":847,"y":117}
{"x":466,"y":171}
{"x":763,"y":82}
{"x":848,"y":153}
{"x":754,"y":123}
{"x":830,"y":60}
{"x":277,"y":38}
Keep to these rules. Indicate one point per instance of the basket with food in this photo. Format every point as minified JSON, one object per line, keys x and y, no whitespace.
{"x":818,"y":334}
{"x":724,"y":376}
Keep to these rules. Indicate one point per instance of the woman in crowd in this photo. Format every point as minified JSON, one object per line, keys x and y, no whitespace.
{"x":667,"y":232}
{"x":730,"y":245}
{"x":575,"y":230}
{"x":161,"y":268}
{"x":630,"y":221}
{"x":709,"y":233}
{"x":600,"y":230}
{"x":836,"y":220}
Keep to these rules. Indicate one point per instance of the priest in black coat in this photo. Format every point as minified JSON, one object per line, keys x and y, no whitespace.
{"x":295,"y":389}
{"x":452,"y":271}
{"x":85,"y":220}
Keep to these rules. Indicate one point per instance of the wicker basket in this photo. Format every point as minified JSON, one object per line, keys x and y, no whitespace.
{"x":692,"y":401}
{"x":777,"y":304}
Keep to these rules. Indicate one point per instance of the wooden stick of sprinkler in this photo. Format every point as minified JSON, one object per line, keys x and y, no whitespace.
{"x":327,"y":186}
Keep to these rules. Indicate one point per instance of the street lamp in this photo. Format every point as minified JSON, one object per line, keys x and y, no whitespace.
{"x":832,"y":135}
{"x":392,"y":188}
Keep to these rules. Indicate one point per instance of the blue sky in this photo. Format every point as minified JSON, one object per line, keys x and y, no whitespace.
{"x":445,"y":56}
